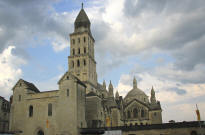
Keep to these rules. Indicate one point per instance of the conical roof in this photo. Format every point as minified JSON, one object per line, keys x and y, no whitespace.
{"x":82,"y":19}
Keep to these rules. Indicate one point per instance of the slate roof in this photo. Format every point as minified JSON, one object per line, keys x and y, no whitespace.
{"x":31,"y":86}
{"x":82,"y":19}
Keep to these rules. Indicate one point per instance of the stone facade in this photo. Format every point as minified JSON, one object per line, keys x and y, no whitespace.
{"x":4,"y":114}
{"x":81,"y":101}
{"x":54,"y":112}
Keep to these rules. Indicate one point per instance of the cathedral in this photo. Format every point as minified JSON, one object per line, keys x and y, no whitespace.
{"x":80,"y":101}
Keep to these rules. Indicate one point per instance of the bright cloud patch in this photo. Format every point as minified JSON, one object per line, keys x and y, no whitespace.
{"x":10,"y":71}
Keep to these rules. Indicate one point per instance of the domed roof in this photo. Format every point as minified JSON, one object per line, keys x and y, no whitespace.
{"x":136,"y":93}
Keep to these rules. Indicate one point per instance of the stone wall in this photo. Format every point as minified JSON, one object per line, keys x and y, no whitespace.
{"x":170,"y":131}
{"x":4,"y":115}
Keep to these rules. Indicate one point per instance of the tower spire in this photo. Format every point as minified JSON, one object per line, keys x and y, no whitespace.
{"x":153,"y":98}
{"x":104,"y":85}
{"x":134,"y":83}
{"x":117,"y":95}
{"x":110,"y":92}
{"x":82,"y":5}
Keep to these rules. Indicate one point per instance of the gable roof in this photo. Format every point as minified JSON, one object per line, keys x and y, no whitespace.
{"x":149,"y":106}
{"x":29,"y":85}
{"x":71,"y":75}
{"x":138,"y":102}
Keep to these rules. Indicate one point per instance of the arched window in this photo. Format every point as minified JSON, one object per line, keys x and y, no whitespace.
{"x":72,"y":64}
{"x":30,"y":111}
{"x":78,"y":50}
{"x":128,"y":115}
{"x":78,"y":40}
{"x":19,"y":97}
{"x":136,"y":124}
{"x":142,"y":113}
{"x":84,"y":62}
{"x":78,"y":63}
{"x":73,"y":51}
{"x":73,"y":41}
{"x":84,"y":39}
{"x":49,"y":109}
{"x":135,"y":113}
{"x":40,"y":132}
{"x":84,"y":49}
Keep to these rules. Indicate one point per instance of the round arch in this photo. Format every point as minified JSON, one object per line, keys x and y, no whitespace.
{"x":40,"y":132}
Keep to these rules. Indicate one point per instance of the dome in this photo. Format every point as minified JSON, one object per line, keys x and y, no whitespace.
{"x":136,"y":93}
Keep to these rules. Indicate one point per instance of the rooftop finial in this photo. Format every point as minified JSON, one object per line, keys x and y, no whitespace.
{"x":82,"y":5}
{"x":134,"y":83}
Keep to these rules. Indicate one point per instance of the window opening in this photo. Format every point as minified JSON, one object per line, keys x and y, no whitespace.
{"x":84,"y":61}
{"x":78,"y":50}
{"x":84,"y":50}
{"x":78,"y":63}
{"x":73,"y":51}
{"x":49,"y":109}
{"x":84,"y":39}
{"x":30,"y":111}
{"x":73,"y":41}
{"x":78,"y":40}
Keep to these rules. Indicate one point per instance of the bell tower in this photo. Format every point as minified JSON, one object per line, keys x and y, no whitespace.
{"x":81,"y":61}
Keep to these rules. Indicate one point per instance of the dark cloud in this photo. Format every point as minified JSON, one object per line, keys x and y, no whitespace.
{"x":134,"y":8}
{"x":191,"y":55}
{"x":178,"y":91}
{"x":182,"y":34}
{"x":27,"y":22}
{"x":188,"y":28}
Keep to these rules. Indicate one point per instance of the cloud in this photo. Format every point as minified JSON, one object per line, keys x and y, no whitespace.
{"x":130,"y":28}
{"x":31,"y":23}
{"x":10,"y":70}
{"x":178,"y":91}
{"x":134,"y":8}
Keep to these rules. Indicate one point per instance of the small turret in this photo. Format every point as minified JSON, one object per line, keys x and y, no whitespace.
{"x":117,"y":95}
{"x":134,"y":83}
{"x":110,"y":93}
{"x":104,"y":85}
{"x":153,"y":98}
